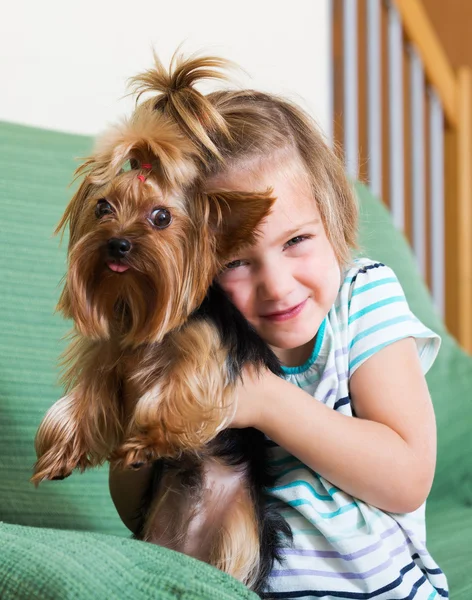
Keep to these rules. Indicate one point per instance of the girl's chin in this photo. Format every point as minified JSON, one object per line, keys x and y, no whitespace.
{"x":296,"y":345}
{"x":294,"y":357}
{"x":292,"y":343}
{"x":290,"y":340}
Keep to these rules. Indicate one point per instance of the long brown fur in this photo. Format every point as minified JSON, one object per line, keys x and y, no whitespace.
{"x":143,"y":380}
{"x":131,"y":326}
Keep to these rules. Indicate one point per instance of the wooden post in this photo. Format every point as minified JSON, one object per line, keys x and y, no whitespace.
{"x":464,"y":204}
{"x":458,"y":213}
{"x":438,"y":71}
{"x":452,"y":219}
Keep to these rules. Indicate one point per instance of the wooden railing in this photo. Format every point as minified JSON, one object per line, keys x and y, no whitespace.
{"x":403,"y":117}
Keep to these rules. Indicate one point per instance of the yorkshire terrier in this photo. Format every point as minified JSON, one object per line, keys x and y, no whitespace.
{"x":158,"y":348}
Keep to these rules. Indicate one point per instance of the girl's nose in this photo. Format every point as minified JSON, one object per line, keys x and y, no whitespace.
{"x":275,"y":283}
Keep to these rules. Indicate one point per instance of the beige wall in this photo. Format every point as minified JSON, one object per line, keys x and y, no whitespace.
{"x":64,"y":64}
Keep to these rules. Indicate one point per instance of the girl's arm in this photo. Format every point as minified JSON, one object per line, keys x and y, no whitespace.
{"x":386,"y":457}
{"x":127,"y":488}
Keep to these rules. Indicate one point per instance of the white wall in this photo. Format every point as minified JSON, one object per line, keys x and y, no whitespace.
{"x":64,"y":63}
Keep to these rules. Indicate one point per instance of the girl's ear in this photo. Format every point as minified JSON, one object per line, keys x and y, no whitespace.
{"x":234,"y":217}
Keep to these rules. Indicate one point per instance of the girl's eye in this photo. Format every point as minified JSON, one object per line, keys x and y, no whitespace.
{"x":103,"y":208}
{"x":296,"y":240}
{"x":161,"y":218}
{"x":234,"y":264}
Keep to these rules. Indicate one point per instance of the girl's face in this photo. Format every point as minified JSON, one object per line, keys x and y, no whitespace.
{"x":286,"y":283}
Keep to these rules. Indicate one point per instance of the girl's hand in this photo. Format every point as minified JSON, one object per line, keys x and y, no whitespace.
{"x":250,"y":395}
{"x":385,"y":455}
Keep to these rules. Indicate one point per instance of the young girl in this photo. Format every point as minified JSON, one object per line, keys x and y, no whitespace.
{"x":351,"y":425}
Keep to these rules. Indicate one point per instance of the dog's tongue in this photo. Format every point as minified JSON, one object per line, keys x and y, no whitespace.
{"x":117,"y":268}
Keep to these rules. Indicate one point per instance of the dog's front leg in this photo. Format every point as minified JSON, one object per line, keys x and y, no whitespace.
{"x":81,"y":429}
{"x":189,"y":402}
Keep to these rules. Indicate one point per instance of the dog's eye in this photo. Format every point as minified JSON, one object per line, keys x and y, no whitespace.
{"x":161,"y":218}
{"x":103,"y":208}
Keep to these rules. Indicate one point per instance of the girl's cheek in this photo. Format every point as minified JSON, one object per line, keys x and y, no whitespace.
{"x":235,"y":278}
{"x":239,"y":292}
{"x":229,"y":284}
{"x":309,"y":264}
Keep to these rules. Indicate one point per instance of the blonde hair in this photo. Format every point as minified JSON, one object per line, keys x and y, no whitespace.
{"x":234,"y":128}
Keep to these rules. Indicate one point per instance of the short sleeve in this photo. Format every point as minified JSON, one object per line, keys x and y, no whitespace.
{"x":379,"y":315}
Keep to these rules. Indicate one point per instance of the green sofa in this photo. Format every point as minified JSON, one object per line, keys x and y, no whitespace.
{"x":64,"y":540}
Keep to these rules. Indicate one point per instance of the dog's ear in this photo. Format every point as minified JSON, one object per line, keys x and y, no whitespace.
{"x":75,"y":207}
{"x":234,"y":218}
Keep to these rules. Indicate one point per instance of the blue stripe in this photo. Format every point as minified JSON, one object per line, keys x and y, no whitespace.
{"x":430,"y":571}
{"x":370,"y":286}
{"x":295,"y":503}
{"x":331,"y":491}
{"x":374,"y":306}
{"x":293,"y":484}
{"x":357,"y":595}
{"x":341,"y":402}
{"x":382,"y":325}
{"x":330,"y":538}
{"x":326,"y":515}
{"x":373,"y":284}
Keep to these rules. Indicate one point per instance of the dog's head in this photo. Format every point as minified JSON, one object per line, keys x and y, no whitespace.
{"x":146,"y":241}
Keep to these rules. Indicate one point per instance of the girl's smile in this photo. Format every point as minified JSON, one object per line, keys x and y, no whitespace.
{"x":285,"y":315}
{"x":286,"y":283}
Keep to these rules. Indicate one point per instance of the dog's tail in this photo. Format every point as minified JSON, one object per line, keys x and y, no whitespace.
{"x":178,"y":98}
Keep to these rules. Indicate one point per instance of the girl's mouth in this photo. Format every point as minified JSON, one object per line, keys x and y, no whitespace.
{"x":285,"y":315}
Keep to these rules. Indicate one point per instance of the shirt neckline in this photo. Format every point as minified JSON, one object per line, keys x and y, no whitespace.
{"x":314,"y":354}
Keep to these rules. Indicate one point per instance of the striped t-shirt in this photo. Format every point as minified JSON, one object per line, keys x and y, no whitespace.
{"x":344,"y":548}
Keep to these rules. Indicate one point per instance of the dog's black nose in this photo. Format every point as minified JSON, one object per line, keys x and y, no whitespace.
{"x":118,"y":247}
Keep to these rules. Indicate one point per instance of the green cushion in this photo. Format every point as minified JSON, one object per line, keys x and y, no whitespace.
{"x":450,"y":532}
{"x":35,"y":169}
{"x":62,"y":565}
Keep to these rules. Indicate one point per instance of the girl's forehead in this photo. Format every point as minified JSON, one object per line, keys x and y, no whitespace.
{"x":287,"y":179}
{"x":293,"y":194}
{"x":256,"y":171}
{"x":290,"y":212}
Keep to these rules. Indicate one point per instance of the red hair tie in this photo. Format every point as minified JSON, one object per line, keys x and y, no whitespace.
{"x":146,"y":167}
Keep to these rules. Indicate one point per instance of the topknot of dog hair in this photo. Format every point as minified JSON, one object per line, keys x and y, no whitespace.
{"x":174,"y":94}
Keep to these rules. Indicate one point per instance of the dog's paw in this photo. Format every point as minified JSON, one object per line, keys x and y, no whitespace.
{"x":144,"y":449}
{"x":135,"y":453}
